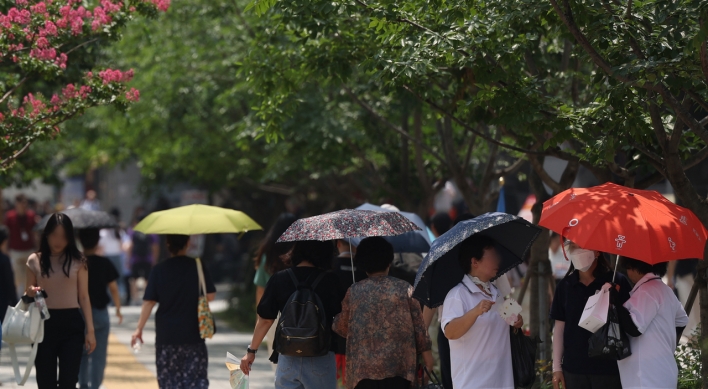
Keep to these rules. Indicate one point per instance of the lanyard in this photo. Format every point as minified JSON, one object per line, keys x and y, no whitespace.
{"x":651,"y":279}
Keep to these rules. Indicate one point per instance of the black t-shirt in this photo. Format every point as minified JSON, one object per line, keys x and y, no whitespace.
{"x":101,"y":273}
{"x":174,"y":284}
{"x":568,"y":305}
{"x":280,"y":287}
{"x":342,"y":267}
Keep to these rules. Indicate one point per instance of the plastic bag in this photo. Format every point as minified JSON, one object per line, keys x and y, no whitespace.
{"x":523,"y":358}
{"x":610,"y":342}
{"x":237,"y":379}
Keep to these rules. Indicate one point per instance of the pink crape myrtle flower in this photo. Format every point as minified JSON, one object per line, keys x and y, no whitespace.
{"x":133,"y":95}
{"x":162,"y":5}
{"x":110,"y":75}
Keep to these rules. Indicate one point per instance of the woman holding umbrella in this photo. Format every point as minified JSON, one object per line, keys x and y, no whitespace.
{"x":654,"y":319}
{"x":571,"y":364}
{"x":480,"y":348}
{"x":182,"y":359}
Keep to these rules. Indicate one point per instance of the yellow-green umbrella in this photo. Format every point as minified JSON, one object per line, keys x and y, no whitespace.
{"x":197,"y":219}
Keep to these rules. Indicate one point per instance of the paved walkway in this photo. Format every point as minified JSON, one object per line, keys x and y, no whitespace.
{"x":127,"y":370}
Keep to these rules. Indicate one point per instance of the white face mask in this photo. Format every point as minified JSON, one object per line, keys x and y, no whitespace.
{"x":582,"y":259}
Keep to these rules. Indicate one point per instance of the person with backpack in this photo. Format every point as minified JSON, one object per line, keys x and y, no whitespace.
{"x":307,"y":297}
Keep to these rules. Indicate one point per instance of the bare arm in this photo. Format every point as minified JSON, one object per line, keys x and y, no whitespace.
{"x":85,"y":304}
{"x":458,"y":327}
{"x":259,"y":294}
{"x":262,"y":327}
{"x":211,"y":296}
{"x":428,"y":314}
{"x":30,"y":282}
{"x":145,"y":312}
{"x":113,"y":287}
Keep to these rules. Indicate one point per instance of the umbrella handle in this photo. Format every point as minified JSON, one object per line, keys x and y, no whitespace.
{"x":351,"y":258}
{"x":617,"y":261}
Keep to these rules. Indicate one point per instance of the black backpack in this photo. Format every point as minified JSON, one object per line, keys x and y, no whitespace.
{"x":302,"y":329}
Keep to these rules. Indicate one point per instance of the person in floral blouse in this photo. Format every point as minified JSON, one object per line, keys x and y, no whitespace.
{"x":382,"y":323}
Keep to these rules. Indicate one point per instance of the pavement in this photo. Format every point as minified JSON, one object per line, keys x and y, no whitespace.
{"x":128,"y":370}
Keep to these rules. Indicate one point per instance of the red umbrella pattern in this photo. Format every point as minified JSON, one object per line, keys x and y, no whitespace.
{"x":348,"y":223}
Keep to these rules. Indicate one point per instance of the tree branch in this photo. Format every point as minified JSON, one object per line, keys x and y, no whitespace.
{"x":682,"y":113}
{"x":511,"y":168}
{"x":392,"y":126}
{"x":653,"y":179}
{"x":5,"y":162}
{"x":566,"y":16}
{"x":418,"y":26}
{"x":12,"y":90}
{"x":543,"y":175}
{"x":82,"y":45}
{"x":679,"y":125}
{"x":468,"y":127}
{"x":696,"y":158}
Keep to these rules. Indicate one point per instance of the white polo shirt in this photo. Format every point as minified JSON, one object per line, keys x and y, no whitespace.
{"x":481,"y":358}
{"x":656,"y":312}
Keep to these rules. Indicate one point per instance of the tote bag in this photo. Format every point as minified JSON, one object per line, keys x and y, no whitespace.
{"x":207,"y":328}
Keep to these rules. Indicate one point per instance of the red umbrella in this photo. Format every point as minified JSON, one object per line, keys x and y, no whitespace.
{"x":639,"y":224}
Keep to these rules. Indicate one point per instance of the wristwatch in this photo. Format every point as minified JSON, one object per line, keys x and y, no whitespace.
{"x":249,"y":350}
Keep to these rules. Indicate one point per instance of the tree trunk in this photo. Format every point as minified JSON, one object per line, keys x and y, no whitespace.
{"x":539,"y":271}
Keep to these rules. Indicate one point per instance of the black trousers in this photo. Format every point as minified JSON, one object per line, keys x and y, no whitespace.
{"x":444,"y":353}
{"x":63,"y":346}
{"x":582,"y":381}
{"x":386,"y":383}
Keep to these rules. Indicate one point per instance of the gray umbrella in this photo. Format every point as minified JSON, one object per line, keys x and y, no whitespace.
{"x":82,"y":218}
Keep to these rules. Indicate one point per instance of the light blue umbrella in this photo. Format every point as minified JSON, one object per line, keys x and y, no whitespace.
{"x":410,"y":242}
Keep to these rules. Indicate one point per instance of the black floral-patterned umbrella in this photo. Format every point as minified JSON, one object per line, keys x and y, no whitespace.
{"x":82,"y":218}
{"x":347,"y":224}
{"x":440,"y":270}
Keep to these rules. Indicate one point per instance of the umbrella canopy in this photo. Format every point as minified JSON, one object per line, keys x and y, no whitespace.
{"x":409,"y":242}
{"x":440,"y":270}
{"x":82,"y":218}
{"x":197,"y":219}
{"x":633,"y":223}
{"x":348,"y":223}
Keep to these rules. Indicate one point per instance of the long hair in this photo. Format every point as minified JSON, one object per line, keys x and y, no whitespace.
{"x":71,"y":252}
{"x":274,"y":251}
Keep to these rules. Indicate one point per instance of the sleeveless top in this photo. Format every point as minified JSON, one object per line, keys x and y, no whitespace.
{"x":62,"y":291}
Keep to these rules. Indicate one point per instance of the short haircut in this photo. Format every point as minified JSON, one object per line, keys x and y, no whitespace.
{"x":318,"y":253}
{"x":442,"y":222}
{"x":643,"y":268}
{"x":473,"y":247}
{"x":176,"y":243}
{"x":20,"y":198}
{"x":4,"y":234}
{"x":374,"y":254}
{"x":89,"y":238}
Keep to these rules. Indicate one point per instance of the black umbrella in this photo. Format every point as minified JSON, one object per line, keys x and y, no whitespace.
{"x":82,"y":218}
{"x":440,"y":270}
